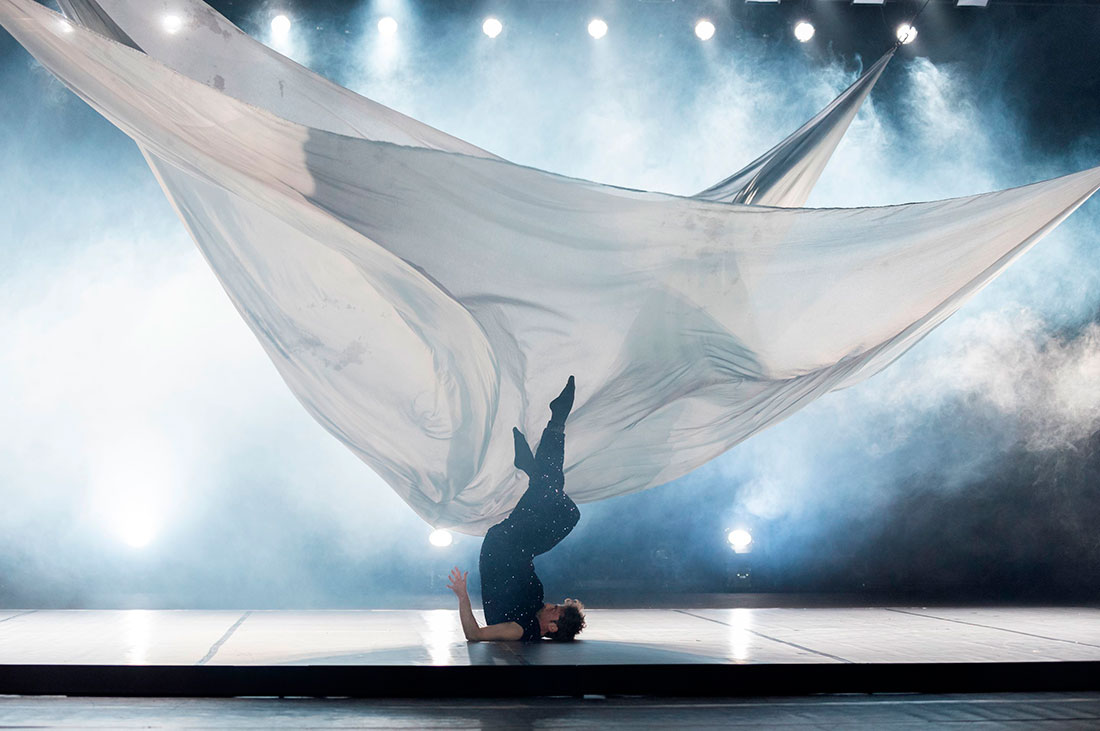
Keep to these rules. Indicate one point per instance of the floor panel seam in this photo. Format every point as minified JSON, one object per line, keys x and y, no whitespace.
{"x":221,"y":641}
{"x":989,"y":626}
{"x":520,"y":659}
{"x":767,"y":637}
{"x":17,"y":616}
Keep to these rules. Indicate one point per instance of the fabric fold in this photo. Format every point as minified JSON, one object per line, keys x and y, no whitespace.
{"x":208,"y":48}
{"x":786,"y":174}
{"x":421,"y":303}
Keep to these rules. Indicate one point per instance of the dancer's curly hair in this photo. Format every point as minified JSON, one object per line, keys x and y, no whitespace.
{"x":570,"y":623}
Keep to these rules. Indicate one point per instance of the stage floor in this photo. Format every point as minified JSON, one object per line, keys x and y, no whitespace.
{"x":699,"y":651}
{"x":613,"y":637}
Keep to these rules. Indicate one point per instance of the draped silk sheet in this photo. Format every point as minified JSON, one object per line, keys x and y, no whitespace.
{"x":208,"y":48}
{"x":420,"y":299}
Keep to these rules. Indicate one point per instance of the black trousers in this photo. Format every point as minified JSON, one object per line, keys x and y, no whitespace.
{"x":544,"y":516}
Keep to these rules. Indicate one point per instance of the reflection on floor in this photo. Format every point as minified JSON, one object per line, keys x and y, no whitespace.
{"x":1030,"y":711}
{"x":614,"y":636}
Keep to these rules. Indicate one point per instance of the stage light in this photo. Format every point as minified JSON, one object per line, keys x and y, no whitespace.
{"x":134,"y":522}
{"x":387,"y":26}
{"x":173,"y":23}
{"x":740,"y":540}
{"x":492,"y":27}
{"x":907,"y":33}
{"x":440,"y":538}
{"x":972,"y":3}
{"x":597,"y":29}
{"x":803,"y":31}
{"x":868,"y":2}
{"x":135,"y":531}
{"x":704,"y":30}
{"x":280,"y":26}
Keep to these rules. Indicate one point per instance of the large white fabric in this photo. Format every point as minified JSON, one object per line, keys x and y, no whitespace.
{"x":210,"y":49}
{"x":786,"y":174}
{"x":421,"y":302}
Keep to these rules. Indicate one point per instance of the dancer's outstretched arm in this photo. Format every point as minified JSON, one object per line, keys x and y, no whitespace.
{"x":473,"y":631}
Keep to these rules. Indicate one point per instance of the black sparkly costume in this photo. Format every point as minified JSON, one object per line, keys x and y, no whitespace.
{"x":510,"y":589}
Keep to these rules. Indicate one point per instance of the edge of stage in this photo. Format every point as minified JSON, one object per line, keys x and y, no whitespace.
{"x":547,"y":680}
{"x":718,"y":650}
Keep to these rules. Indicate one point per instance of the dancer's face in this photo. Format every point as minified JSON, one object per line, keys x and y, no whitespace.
{"x":552,"y":612}
{"x":549,"y":616}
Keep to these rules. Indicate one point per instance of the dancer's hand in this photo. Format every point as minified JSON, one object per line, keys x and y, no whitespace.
{"x":458,"y":583}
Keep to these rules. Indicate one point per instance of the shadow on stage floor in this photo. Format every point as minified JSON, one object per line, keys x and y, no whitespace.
{"x":700,"y":648}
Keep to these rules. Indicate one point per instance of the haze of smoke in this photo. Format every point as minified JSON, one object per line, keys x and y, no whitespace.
{"x":1043,"y":384}
{"x":850,"y":454}
{"x":128,"y":346}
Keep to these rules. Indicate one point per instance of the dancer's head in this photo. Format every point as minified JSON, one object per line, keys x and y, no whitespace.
{"x":562,"y":622}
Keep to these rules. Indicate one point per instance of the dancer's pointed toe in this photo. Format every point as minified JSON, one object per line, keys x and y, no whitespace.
{"x":563,"y":404}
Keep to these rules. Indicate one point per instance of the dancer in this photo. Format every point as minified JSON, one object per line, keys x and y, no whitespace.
{"x":511,"y":592}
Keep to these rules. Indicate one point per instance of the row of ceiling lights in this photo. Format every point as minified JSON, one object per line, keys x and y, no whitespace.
{"x":597,"y":28}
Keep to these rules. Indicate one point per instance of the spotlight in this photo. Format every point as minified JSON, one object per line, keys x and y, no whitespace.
{"x":135,"y":526}
{"x":597,"y":29}
{"x":907,"y":33}
{"x":492,"y":27}
{"x":740,"y":540}
{"x":280,"y":26}
{"x":440,"y":538}
{"x":804,"y":31}
{"x":387,"y":26}
{"x":173,"y":23}
{"x":137,"y":535}
{"x":704,"y":30}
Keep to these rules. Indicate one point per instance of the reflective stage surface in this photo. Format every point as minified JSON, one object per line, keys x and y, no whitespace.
{"x":614,"y":637}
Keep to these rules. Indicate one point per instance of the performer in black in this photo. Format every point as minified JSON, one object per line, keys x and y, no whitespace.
{"x":510,"y":590}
